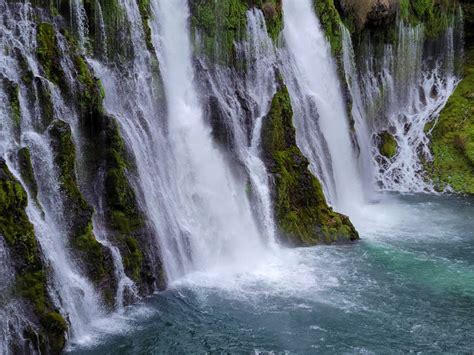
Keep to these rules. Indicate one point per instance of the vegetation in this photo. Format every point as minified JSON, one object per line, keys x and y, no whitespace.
{"x":453,"y":137}
{"x":27,"y":173}
{"x":331,"y":22}
{"x":301,"y":211}
{"x":31,"y":282}
{"x":221,"y":24}
{"x":388,"y":145}
{"x":272,"y":9}
{"x":79,"y":212}
{"x":48,"y":53}
{"x":434,"y":15}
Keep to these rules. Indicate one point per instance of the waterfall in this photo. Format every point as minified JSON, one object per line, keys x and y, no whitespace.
{"x":212,"y":206}
{"x":206,"y":201}
{"x":320,"y":117}
{"x":70,"y":290}
{"x":241,"y":101}
{"x":367,"y":164}
{"x":400,"y":92}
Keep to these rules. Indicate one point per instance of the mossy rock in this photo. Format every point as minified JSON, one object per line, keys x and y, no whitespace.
{"x":12,"y":92}
{"x":331,"y":22}
{"x":273,"y":12}
{"x":452,"y":141}
{"x":94,"y":257}
{"x":303,"y":217}
{"x":31,"y":281}
{"x":220,"y":25}
{"x":387,"y":144}
{"x":48,"y":53}
{"x":27,"y":173}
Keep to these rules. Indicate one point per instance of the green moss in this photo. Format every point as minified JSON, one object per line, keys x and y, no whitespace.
{"x":20,"y":238}
{"x":92,"y":253}
{"x":15,"y":106}
{"x":14,"y":224}
{"x":301,"y":211}
{"x":220,"y":24}
{"x":12,"y":92}
{"x":48,"y":53}
{"x":133,"y":259}
{"x":145,"y":13}
{"x":45,"y":102}
{"x":123,"y":213}
{"x":79,"y":212}
{"x":65,"y":159}
{"x":273,"y":11}
{"x":388,"y":145}
{"x":331,"y":22}
{"x":434,"y":15}
{"x":91,"y":93}
{"x":27,"y":173}
{"x":452,"y":141}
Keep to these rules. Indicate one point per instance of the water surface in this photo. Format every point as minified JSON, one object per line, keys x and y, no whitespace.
{"x":407,"y":285}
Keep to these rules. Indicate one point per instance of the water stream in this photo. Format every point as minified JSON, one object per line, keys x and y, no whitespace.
{"x":207,"y":202}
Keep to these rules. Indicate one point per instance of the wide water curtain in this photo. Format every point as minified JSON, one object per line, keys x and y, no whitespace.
{"x":195,"y":146}
{"x":215,"y":210}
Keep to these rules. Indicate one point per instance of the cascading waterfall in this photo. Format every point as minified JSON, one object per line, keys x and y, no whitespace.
{"x":214,"y":207}
{"x":362,"y":130}
{"x":72,"y":292}
{"x":207,"y":206}
{"x":400,"y":93}
{"x":197,"y":208}
{"x":319,"y":110}
{"x":255,"y":88}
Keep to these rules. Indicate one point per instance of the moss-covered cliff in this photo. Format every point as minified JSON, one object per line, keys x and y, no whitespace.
{"x":218,"y":26}
{"x":453,"y":137}
{"x":31,"y":279}
{"x":301,"y":212}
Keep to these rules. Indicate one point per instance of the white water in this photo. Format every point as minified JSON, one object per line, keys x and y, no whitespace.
{"x":196,"y":205}
{"x":213,"y":206}
{"x":70,"y":290}
{"x":319,"y":109}
{"x":244,"y":120}
{"x":401,"y":92}
{"x":362,"y":130}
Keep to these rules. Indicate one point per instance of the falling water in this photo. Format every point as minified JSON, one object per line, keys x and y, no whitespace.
{"x":243,"y":99}
{"x":319,"y":109}
{"x":73,"y":293}
{"x":400,"y":93}
{"x":213,"y":206}
{"x":362,"y":130}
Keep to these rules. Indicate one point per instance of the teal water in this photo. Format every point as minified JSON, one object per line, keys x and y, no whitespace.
{"x":408,"y":285}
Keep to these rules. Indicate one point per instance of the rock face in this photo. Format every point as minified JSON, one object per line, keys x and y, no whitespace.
{"x":387,"y":145}
{"x":453,"y":137}
{"x":48,"y":329}
{"x":301,"y":212}
{"x":370,"y":12}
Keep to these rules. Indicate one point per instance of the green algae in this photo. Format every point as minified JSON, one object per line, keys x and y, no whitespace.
{"x":331,"y":22}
